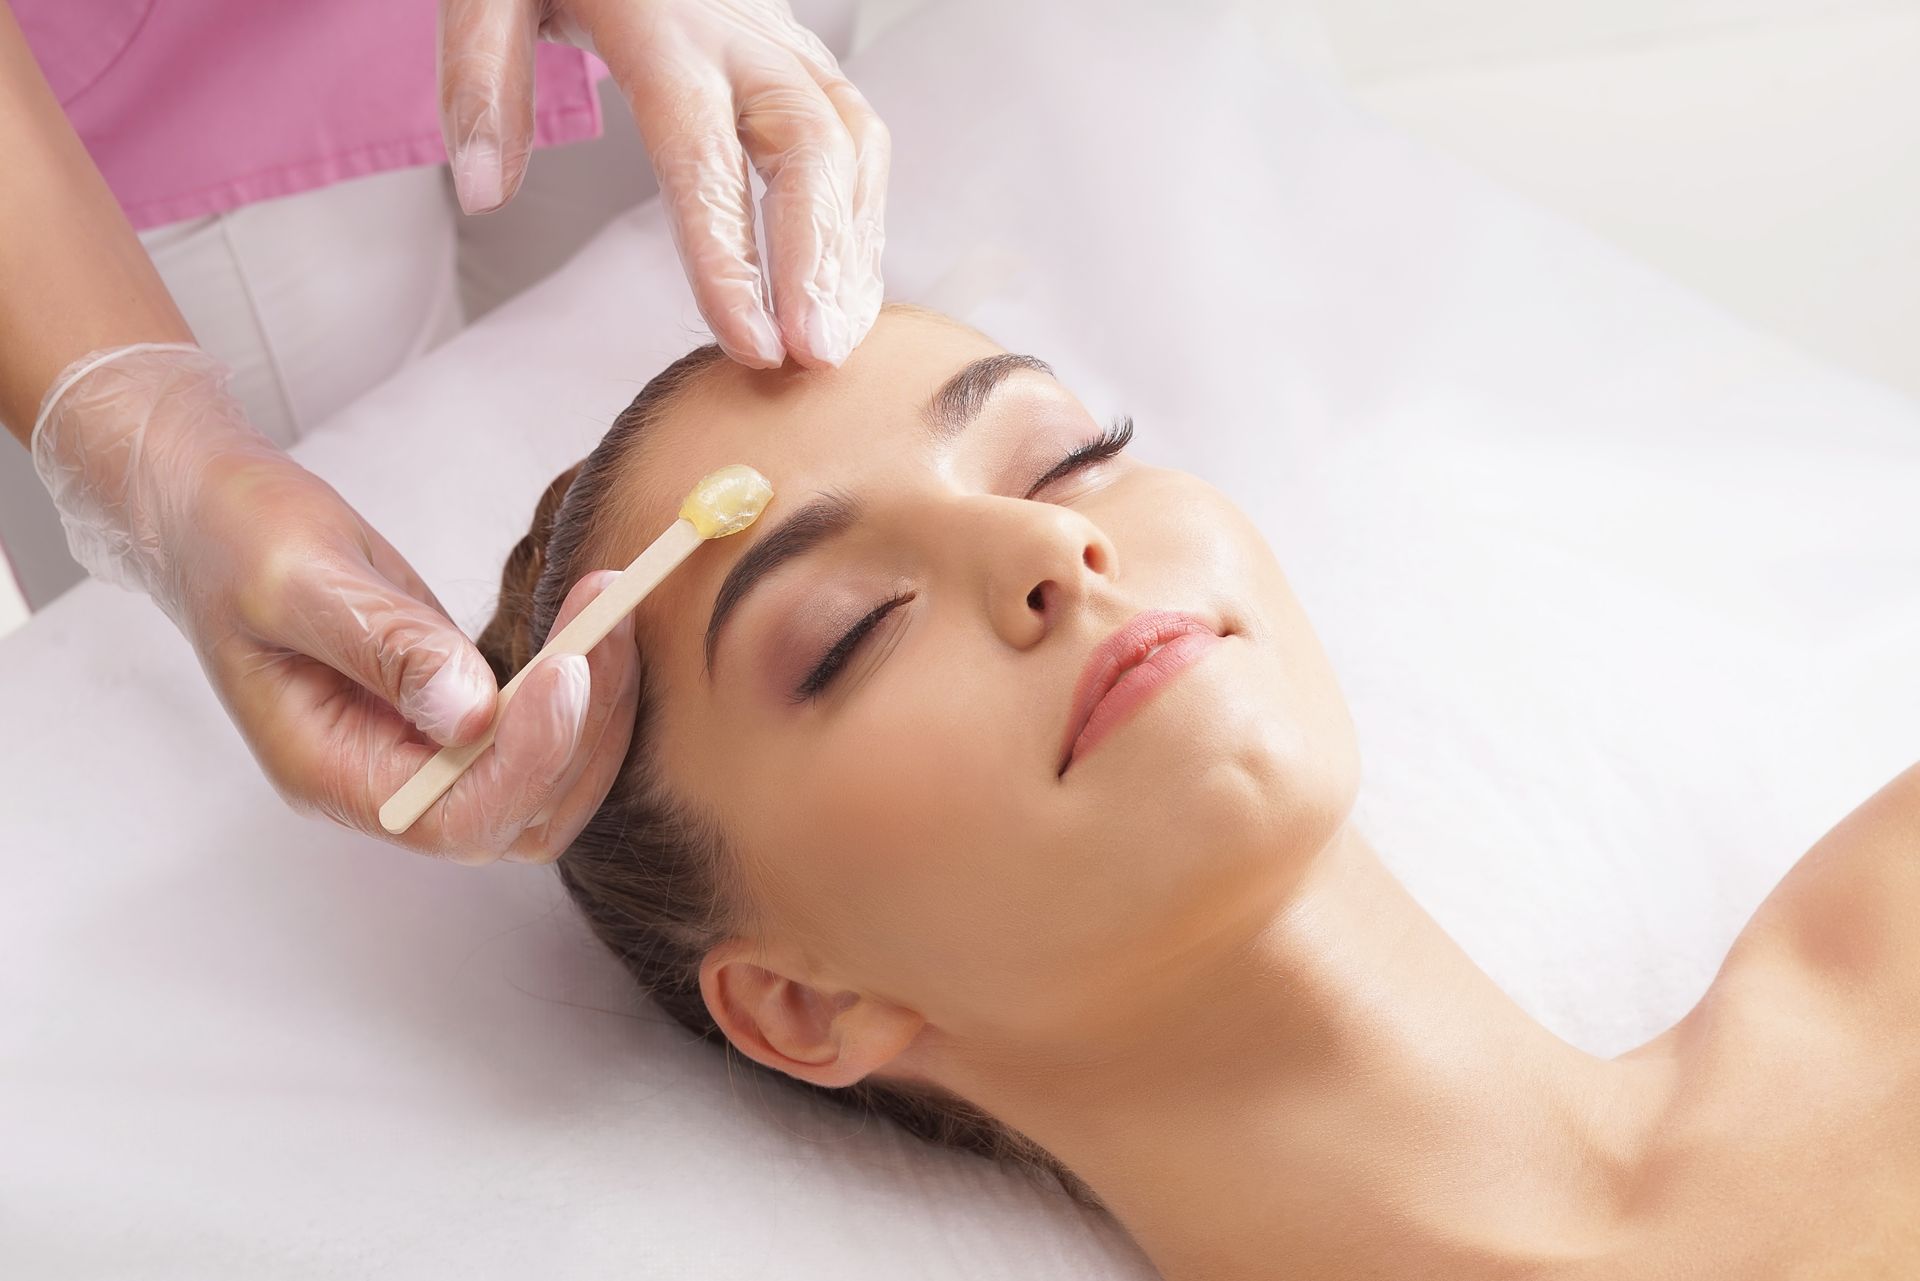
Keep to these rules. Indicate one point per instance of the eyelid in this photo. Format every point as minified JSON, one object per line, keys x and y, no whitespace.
{"x":1108,"y":443}
{"x":841,"y":651}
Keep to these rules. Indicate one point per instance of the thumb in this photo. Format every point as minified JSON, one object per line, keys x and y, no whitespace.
{"x":356,"y":621}
{"x":486,"y":96}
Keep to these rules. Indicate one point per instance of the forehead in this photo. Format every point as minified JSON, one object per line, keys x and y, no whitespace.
{"x":802,"y":429}
{"x":805,"y":430}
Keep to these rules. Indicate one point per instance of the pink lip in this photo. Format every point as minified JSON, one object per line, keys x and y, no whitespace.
{"x":1120,"y":676}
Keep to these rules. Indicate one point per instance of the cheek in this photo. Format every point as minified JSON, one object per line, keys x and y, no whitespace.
{"x":901,"y":840}
{"x":929,"y":838}
{"x":1176,"y":533}
{"x":931,"y":779}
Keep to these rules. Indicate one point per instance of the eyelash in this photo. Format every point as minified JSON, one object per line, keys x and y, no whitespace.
{"x":1115,"y":438}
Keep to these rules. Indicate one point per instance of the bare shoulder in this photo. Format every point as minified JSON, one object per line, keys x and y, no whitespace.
{"x":1849,"y":910}
{"x":1794,"y":1132}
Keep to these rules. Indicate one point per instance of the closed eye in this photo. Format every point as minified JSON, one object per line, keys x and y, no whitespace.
{"x":836,"y":657}
{"x":1110,"y":442}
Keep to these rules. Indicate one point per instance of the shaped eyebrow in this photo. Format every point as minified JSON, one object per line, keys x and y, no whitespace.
{"x":950,"y":411}
{"x":816,"y":523}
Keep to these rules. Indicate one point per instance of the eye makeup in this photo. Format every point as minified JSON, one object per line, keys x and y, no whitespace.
{"x":836,"y":657}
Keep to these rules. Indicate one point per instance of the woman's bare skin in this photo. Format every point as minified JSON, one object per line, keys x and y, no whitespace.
{"x":1177,"y":966}
{"x":1422,"y":1126}
{"x":1791,"y":1147}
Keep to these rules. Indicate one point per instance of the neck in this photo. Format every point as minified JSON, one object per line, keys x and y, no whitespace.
{"x":1336,"y":1085}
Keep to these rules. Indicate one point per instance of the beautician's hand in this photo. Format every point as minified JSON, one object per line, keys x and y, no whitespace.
{"x":705,"y":79}
{"x":320,"y":640}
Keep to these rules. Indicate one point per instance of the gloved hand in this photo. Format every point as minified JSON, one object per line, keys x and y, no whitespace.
{"x":705,"y":78}
{"x":320,"y":640}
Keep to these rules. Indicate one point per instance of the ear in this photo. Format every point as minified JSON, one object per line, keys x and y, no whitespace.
{"x":830,"y":1039}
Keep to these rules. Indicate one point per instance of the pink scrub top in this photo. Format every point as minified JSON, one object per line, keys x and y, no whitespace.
{"x":191,"y":107}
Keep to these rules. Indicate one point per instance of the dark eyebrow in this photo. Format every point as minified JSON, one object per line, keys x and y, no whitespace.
{"x":961,"y":397}
{"x":949,"y":412}
{"x":797,"y":535}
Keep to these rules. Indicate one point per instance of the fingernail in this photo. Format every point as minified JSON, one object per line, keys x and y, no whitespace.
{"x":767,"y":347}
{"x":827,"y":335}
{"x":451,"y":695}
{"x":478,"y":177}
{"x":571,"y":685}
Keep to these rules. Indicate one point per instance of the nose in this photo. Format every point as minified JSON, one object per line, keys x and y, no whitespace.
{"x":1038,"y":563}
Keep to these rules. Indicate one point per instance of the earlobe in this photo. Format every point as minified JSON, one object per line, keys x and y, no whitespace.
{"x":785,"y":1023}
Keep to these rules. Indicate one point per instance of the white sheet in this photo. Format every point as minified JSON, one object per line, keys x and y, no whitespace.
{"x":1623,"y":596}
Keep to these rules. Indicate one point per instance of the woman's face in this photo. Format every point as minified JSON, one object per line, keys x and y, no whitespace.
{"x":880,"y":725}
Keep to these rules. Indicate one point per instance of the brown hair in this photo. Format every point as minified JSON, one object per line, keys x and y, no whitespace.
{"x":654,"y":879}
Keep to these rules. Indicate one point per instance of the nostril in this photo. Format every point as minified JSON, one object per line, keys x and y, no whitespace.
{"x":1037,"y":598}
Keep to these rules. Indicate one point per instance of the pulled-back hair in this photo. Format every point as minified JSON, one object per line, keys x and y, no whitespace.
{"x":654,"y":879}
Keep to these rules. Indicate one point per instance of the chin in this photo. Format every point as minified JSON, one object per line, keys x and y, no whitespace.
{"x":1223,"y":807}
{"x":1240,"y":772}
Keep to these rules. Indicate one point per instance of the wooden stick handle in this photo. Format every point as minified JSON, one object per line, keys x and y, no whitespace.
{"x":588,"y":628}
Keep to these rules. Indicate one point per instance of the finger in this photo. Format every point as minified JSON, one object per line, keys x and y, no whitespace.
{"x":504,"y":791}
{"x":582,"y":593}
{"x":358,"y":622}
{"x":614,"y":667}
{"x":339,"y":752}
{"x":861,"y":288}
{"x":805,"y":155}
{"x":331,"y":746}
{"x":326,"y":744}
{"x":486,"y":96}
{"x":493,"y":824}
{"x":685,"y":114}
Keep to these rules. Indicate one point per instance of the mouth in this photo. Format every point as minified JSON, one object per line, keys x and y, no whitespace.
{"x":1126,"y":670}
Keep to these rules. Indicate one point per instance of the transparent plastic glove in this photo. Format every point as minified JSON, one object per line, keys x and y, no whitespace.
{"x":714,"y":85}
{"x":325,"y":647}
